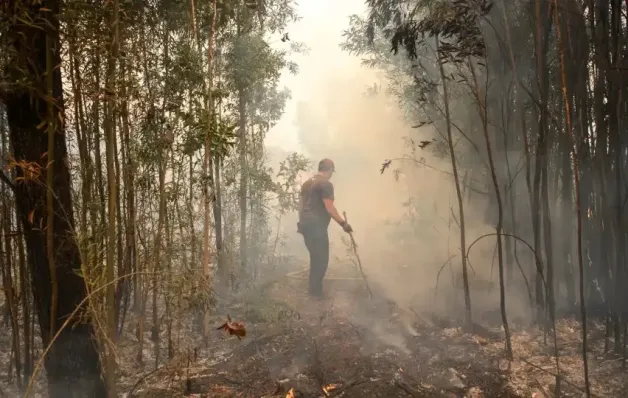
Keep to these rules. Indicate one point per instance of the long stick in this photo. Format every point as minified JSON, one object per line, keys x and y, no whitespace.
{"x":357,"y":256}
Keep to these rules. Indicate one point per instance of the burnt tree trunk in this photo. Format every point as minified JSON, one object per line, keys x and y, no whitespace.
{"x":72,"y":364}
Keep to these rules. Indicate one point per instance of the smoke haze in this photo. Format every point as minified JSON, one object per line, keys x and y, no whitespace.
{"x":405,"y":219}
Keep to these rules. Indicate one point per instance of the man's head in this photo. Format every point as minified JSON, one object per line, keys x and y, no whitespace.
{"x":326,"y":168}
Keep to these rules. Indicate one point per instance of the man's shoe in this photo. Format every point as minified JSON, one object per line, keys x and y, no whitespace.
{"x":318,"y":296}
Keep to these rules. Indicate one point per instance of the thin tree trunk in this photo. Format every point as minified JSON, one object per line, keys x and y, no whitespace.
{"x":81,"y":131}
{"x":576,"y":173}
{"x":50,"y":160}
{"x":169,"y":230}
{"x":528,"y":161}
{"x":207,"y":161}
{"x":191,"y":210}
{"x":450,"y":142}
{"x":218,"y":219}
{"x":121,"y":291}
{"x":129,"y":190}
{"x":26,"y":309}
{"x":162,"y":165}
{"x":142,"y":283}
{"x":220,"y":260}
{"x":500,"y":209}
{"x":110,"y":137}
{"x":243,"y":181}
{"x":566,"y":217}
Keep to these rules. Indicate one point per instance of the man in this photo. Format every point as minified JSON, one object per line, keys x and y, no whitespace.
{"x":316,"y":209}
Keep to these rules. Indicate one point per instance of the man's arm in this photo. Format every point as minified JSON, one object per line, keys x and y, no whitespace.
{"x":333,"y":212}
{"x":328,"y":200}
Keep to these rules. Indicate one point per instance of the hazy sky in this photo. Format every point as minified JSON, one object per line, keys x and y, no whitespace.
{"x":320,"y":29}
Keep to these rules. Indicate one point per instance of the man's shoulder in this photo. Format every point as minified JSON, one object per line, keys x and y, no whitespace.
{"x":307,"y":183}
{"x":322,"y":182}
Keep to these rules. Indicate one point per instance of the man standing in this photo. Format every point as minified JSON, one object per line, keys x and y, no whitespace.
{"x":316,"y":209}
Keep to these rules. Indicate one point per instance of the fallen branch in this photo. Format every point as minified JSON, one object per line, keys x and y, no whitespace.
{"x":538,"y":383}
{"x":562,"y":378}
{"x":143,"y":379}
{"x":397,"y":382}
{"x":339,"y":391}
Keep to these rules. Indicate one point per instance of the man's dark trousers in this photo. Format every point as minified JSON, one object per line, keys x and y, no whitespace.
{"x":317,"y":243}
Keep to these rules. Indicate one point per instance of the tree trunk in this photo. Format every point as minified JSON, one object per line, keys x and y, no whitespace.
{"x":543,"y":24}
{"x":81,"y":132}
{"x":129,"y":249}
{"x":72,"y":364}
{"x":26,"y":307}
{"x":112,"y":191}
{"x":190,"y":208}
{"x":218,"y":220}
{"x":452,"y":154}
{"x":566,"y":217}
{"x":576,"y":173}
{"x":500,"y":210}
{"x":243,"y":181}
{"x":207,"y":161}
{"x":9,"y":286}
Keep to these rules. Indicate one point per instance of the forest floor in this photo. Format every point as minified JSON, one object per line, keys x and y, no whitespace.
{"x":349,"y":346}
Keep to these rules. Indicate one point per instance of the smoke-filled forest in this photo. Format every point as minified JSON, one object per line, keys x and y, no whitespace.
{"x":151,"y":203}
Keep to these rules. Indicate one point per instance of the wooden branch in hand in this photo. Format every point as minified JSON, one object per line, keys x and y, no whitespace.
{"x":357,"y":256}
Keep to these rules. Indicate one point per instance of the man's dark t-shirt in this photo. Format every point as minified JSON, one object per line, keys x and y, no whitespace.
{"x":313,"y":191}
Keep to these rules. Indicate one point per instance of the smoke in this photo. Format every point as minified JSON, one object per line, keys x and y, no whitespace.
{"x":405,"y":219}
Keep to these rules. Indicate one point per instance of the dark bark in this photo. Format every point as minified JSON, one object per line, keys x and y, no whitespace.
{"x":26,"y":306}
{"x":576,"y":173}
{"x":566,"y":218}
{"x":130,"y":255}
{"x":543,"y":26}
{"x":72,"y":364}
{"x":9,"y":288}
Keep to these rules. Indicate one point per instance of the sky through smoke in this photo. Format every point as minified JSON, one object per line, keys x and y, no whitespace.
{"x":320,"y":29}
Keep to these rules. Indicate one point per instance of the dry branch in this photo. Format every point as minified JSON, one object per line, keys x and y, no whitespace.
{"x":354,"y":247}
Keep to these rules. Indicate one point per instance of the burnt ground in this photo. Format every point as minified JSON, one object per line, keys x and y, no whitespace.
{"x":317,"y":346}
{"x":350,"y":346}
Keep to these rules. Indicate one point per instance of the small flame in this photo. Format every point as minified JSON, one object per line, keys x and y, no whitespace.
{"x":330,"y":387}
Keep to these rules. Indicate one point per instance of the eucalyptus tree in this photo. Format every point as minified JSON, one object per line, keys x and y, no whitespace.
{"x":556,"y":80}
{"x":423,"y":86}
{"x":251,"y":64}
{"x":33,"y":100}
